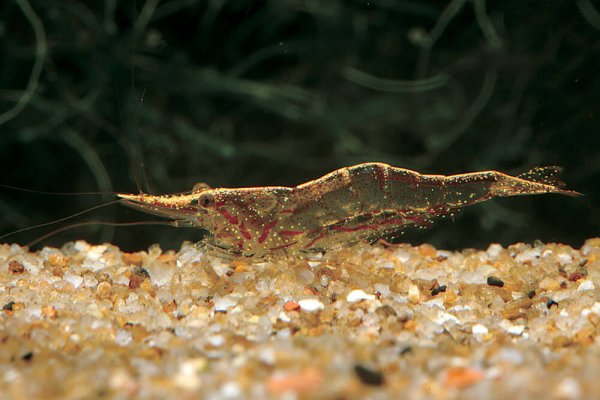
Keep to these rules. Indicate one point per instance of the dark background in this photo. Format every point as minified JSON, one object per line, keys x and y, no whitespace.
{"x":248,"y":92}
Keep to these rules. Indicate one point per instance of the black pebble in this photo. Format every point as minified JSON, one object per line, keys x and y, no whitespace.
{"x":8,"y":306}
{"x":143,"y":272}
{"x":368,"y":376}
{"x":494,"y":281}
{"x":551,"y":303}
{"x":438,"y":289}
{"x":27,"y":356}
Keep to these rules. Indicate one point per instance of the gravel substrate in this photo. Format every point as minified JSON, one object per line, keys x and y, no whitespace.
{"x":374,"y":321}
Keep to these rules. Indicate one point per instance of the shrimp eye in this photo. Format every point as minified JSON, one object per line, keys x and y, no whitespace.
{"x":206,"y":200}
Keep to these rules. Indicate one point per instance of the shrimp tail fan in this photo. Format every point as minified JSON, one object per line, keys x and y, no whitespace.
{"x":548,"y":175}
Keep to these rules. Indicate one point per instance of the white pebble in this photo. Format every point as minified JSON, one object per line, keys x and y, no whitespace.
{"x":224,"y":303}
{"x":283,"y":317}
{"x":358,"y":295}
{"x":516,"y":330}
{"x":81,"y":246}
{"x":413,"y":294}
{"x":528,"y":255}
{"x":569,"y":388}
{"x":96,"y":252}
{"x":510,"y":355}
{"x":402,"y":256}
{"x":267,"y":355}
{"x":383,"y":289}
{"x":480,"y":331}
{"x":188,"y":375}
{"x":564,"y":259}
{"x":494,"y":250}
{"x":586,"y":285}
{"x":216,"y":340}
{"x":74,"y":280}
{"x":442,"y":318}
{"x":311,"y":305}
{"x":231,"y":390}
{"x":547,"y":253}
{"x":123,"y":337}
{"x":90,"y":281}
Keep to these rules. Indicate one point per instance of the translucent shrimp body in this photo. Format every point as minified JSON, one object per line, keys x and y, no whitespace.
{"x":363,"y":202}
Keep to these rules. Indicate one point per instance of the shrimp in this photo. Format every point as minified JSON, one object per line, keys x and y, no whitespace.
{"x":364,"y":202}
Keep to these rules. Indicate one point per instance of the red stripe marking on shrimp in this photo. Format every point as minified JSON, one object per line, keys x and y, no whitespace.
{"x":283,"y":246}
{"x":439,"y":209}
{"x":290,"y":233}
{"x":266,"y":231}
{"x":391,"y":221}
{"x":352,"y":229}
{"x":287,"y":211}
{"x":231,"y":218}
{"x":245,"y":232}
{"x":312,"y":242}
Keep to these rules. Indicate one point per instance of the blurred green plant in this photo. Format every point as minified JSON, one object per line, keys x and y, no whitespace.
{"x":158,"y":95}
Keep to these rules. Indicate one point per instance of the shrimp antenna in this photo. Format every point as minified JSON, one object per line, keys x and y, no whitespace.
{"x":95,"y":223}
{"x":61,"y":219}
{"x":54,"y":193}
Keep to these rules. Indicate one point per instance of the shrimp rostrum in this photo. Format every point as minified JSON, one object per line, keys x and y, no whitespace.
{"x":363,"y":202}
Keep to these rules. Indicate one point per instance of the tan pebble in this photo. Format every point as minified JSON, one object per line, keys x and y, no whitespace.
{"x":170,"y":307}
{"x":427,"y":250}
{"x":146,"y":286}
{"x":303,"y":383}
{"x":50,"y":312}
{"x":450,"y":297}
{"x":561,"y":341}
{"x":103,"y":289}
{"x":167,"y":258}
{"x":316,"y":331}
{"x":240,"y":266}
{"x":311,"y":290}
{"x":133,"y":259}
{"x":594,"y":319}
{"x":410,"y":325}
{"x":17,"y":306}
{"x":121,"y":320}
{"x":516,"y":308}
{"x":593,"y":242}
{"x":58,"y":260}
{"x":15,"y":267}
{"x":549,"y":283}
{"x":386,"y":311}
{"x":270,"y":300}
{"x":585,"y":336}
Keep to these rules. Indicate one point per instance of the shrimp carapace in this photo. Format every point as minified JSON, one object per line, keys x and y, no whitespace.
{"x":363,"y":202}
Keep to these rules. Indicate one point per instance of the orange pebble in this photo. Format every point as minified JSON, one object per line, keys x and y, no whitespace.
{"x":461,"y":377}
{"x":303,"y":382}
{"x":291,"y":306}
